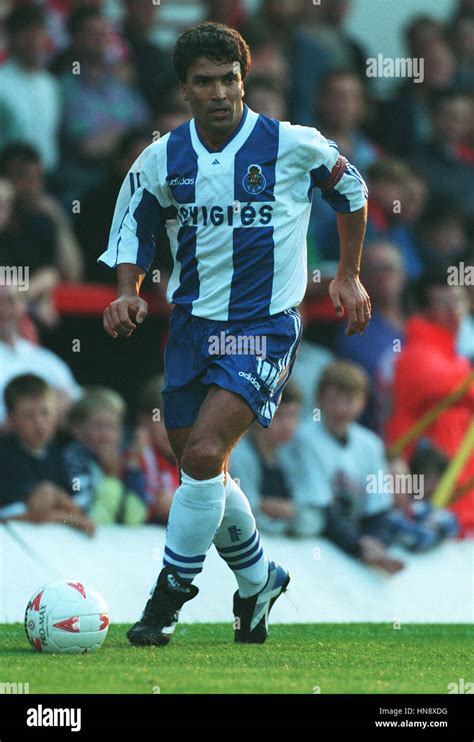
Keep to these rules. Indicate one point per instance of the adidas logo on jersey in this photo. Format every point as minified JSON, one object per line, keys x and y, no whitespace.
{"x":181,"y":181}
{"x":215,"y":162}
{"x":250,"y":378}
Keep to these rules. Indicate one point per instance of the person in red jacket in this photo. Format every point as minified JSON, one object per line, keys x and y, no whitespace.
{"x":428,"y":369}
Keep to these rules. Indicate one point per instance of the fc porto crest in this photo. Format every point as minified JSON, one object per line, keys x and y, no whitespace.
{"x":254,"y":180}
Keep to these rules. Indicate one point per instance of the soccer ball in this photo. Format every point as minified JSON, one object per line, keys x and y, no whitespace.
{"x":66,"y":617}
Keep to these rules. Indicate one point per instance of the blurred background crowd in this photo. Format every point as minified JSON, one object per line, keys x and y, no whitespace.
{"x":85,"y":86}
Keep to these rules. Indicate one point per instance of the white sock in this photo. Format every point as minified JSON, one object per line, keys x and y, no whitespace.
{"x":238,"y":542}
{"x":195,"y":515}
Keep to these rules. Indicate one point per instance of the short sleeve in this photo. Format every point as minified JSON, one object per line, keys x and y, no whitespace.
{"x":139,"y":215}
{"x":341,"y":184}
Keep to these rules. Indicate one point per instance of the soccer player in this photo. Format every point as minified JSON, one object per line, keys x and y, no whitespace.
{"x":233,"y":190}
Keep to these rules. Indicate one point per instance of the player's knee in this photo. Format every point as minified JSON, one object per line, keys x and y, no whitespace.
{"x":202,"y":459}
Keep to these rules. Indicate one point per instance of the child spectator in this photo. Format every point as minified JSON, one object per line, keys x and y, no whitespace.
{"x":156,"y":456}
{"x":416,"y":524}
{"x":34,"y":485}
{"x":262,"y":473}
{"x":332,"y":458}
{"x":108,"y":487}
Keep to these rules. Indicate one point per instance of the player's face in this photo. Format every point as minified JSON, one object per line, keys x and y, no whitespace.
{"x":34,"y":420}
{"x":215,"y":93}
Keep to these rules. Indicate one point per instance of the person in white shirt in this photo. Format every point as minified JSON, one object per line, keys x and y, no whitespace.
{"x":20,"y":356}
{"x":336,"y":466}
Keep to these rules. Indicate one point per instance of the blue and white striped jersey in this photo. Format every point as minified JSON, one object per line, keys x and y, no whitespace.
{"x":236,"y":218}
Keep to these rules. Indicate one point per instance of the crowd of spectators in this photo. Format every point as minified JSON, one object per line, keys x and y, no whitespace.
{"x":81,"y":95}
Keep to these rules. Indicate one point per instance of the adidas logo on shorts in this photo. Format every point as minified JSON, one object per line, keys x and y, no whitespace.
{"x":250,"y":378}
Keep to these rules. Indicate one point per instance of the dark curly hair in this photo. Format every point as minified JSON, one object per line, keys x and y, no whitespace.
{"x":214,"y":41}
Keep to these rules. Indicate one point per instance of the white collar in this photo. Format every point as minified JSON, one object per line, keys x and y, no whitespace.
{"x":235,"y":142}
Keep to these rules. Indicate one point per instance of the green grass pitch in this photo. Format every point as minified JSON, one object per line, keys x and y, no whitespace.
{"x":301,"y":658}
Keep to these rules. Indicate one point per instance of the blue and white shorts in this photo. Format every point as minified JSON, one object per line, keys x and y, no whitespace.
{"x":252,"y":358}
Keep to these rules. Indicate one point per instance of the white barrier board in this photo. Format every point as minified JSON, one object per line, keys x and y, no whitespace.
{"x":326,"y":585}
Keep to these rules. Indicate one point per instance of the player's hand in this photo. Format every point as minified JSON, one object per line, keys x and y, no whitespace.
{"x":347,"y":293}
{"x":122,"y":315}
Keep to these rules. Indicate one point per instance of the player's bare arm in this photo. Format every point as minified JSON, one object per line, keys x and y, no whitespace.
{"x":346,"y":290}
{"x":128,"y":309}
